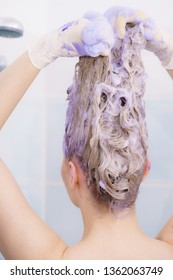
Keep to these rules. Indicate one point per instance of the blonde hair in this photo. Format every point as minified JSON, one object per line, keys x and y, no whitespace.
{"x":105,"y":122}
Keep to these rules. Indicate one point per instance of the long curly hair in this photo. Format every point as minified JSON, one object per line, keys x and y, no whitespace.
{"x":105,"y":123}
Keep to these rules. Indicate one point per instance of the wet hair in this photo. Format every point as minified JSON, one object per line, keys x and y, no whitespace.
{"x":105,"y":122}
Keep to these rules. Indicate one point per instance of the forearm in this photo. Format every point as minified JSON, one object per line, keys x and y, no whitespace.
{"x":14,"y":81}
{"x":73,"y":39}
{"x":170,"y":72}
{"x":166,"y":233}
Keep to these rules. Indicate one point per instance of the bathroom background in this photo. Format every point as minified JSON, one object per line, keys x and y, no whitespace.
{"x":31,"y":140}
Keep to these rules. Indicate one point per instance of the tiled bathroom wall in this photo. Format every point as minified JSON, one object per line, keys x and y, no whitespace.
{"x":155,"y":202}
{"x":31,"y":140}
{"x":22,"y":139}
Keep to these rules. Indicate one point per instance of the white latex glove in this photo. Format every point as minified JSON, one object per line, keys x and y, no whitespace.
{"x":89,"y":36}
{"x":157,"y":40}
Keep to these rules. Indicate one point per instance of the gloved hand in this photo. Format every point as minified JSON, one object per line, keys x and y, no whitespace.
{"x":88,"y":36}
{"x":157,"y":40}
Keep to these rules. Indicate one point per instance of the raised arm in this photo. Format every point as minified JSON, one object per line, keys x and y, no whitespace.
{"x":170,"y":72}
{"x":92,"y":37}
{"x":166,"y":233}
{"x":23,"y":235}
{"x":14,"y":81}
{"x":158,"y":40}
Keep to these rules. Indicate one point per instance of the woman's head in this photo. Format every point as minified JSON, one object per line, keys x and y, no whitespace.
{"x":105,"y":123}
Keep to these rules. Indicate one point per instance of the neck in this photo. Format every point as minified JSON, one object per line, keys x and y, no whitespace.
{"x":123,"y":224}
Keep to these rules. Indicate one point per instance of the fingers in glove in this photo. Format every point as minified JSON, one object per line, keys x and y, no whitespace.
{"x":126,"y":16}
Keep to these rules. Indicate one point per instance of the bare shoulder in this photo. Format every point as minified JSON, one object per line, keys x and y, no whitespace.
{"x":155,"y":249}
{"x":164,"y":249}
{"x":146,"y":248}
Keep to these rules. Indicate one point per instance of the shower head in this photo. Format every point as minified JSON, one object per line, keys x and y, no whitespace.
{"x":10,"y":28}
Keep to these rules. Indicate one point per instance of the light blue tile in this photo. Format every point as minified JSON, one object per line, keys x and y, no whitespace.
{"x":154,"y":207}
{"x":155,"y":201}
{"x":160,"y":128}
{"x":23,"y":140}
{"x":55,"y":132}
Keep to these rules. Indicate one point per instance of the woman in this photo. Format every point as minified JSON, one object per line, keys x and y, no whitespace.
{"x":27,"y":236}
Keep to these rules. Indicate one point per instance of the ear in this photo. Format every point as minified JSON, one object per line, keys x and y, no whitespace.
{"x":73,"y":174}
{"x":147,"y":169}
